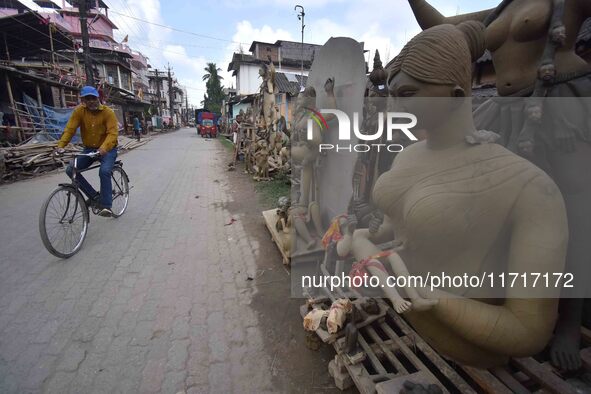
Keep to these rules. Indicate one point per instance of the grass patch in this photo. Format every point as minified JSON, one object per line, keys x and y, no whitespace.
{"x":226,"y":142}
{"x":269,"y":192}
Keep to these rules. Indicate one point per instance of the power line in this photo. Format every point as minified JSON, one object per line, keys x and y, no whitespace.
{"x":179,"y":30}
{"x":127,"y":26}
{"x":92,"y":57}
{"x":140,"y":29}
{"x":176,"y":43}
{"x":140,"y":26}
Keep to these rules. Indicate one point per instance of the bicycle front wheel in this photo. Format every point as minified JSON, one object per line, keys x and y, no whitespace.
{"x":63,"y":222}
{"x":120,"y":185}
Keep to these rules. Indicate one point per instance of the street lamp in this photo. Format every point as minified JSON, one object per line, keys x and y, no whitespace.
{"x":301,"y":18}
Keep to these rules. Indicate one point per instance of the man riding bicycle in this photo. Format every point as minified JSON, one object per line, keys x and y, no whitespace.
{"x":99,"y":131}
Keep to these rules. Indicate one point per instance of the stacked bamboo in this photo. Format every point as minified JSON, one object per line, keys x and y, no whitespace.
{"x":28,"y":160}
{"x":126,"y":143}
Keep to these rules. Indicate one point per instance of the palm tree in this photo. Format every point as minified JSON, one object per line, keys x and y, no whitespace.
{"x":214,"y":97}
{"x":212,"y":72}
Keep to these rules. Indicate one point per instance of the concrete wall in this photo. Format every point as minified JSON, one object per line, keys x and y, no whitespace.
{"x":247,"y":79}
{"x":99,"y":27}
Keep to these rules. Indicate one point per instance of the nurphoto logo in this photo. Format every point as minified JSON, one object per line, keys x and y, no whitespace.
{"x":393,"y":120}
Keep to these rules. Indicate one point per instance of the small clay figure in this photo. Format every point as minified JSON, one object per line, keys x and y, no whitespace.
{"x":283,"y":224}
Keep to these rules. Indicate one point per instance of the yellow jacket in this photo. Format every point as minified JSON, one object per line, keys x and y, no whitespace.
{"x":98,"y":129}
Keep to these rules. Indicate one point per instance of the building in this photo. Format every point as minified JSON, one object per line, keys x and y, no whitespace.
{"x":286,"y":56}
{"x":45,"y":42}
{"x":287,"y":59}
{"x":164,"y":93}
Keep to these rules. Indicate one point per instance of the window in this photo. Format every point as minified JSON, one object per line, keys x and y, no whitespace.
{"x":112,"y":76}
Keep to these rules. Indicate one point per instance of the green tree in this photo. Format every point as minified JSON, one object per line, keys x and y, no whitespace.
{"x":213,"y":98}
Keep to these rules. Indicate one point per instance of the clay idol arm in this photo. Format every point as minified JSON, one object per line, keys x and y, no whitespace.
{"x":427,"y":16}
{"x":523,"y":325}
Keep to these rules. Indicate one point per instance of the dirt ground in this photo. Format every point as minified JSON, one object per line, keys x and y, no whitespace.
{"x":295,"y":368}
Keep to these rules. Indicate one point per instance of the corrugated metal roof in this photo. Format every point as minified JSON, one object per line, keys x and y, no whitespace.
{"x":289,"y":87}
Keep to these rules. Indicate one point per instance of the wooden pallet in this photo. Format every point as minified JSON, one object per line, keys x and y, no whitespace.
{"x":530,"y":374}
{"x":395,"y":353}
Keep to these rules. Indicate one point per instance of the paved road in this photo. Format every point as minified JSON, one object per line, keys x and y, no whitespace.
{"x":159,"y":300}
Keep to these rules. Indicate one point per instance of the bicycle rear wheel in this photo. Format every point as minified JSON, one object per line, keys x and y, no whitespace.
{"x":120,"y":185}
{"x":63,"y":222}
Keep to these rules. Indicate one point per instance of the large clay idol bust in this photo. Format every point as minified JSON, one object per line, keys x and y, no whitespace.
{"x":466,"y":205}
{"x":532,"y":43}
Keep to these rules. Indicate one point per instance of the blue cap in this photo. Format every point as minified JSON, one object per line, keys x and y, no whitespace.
{"x":89,"y":91}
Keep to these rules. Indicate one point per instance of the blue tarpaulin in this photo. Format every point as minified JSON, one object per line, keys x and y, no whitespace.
{"x":52,"y":119}
{"x":56,"y":120}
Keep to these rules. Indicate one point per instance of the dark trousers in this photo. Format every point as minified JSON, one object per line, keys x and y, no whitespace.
{"x":105,"y":171}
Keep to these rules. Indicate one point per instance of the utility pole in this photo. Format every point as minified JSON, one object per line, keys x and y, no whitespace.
{"x":170,"y":95}
{"x":158,"y":94}
{"x":186,"y":108}
{"x":85,"y":43}
{"x":301,"y":18}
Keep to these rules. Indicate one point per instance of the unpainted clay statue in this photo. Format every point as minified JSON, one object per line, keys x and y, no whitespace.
{"x":280,"y":123}
{"x":304,"y":153}
{"x":465,"y":207}
{"x":268,"y":90}
{"x":371,"y":164}
{"x":261,"y":157}
{"x":248,"y":116}
{"x":283,"y":224}
{"x":532,"y":43}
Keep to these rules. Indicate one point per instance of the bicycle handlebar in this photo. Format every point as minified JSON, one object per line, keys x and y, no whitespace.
{"x":89,"y":154}
{"x":92,"y":155}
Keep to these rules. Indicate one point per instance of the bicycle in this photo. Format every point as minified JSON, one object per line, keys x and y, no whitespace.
{"x":64,"y":216}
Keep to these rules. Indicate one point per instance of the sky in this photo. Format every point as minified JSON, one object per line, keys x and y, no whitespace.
{"x":211,"y":31}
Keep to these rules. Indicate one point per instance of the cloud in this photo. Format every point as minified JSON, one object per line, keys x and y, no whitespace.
{"x":282,"y":4}
{"x":152,"y":41}
{"x":382,"y":25}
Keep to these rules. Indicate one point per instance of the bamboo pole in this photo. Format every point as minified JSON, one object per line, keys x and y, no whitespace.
{"x":6,"y":48}
{"x":39,"y":97}
{"x":40,"y":100}
{"x":51,"y":43}
{"x":11,"y":97}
